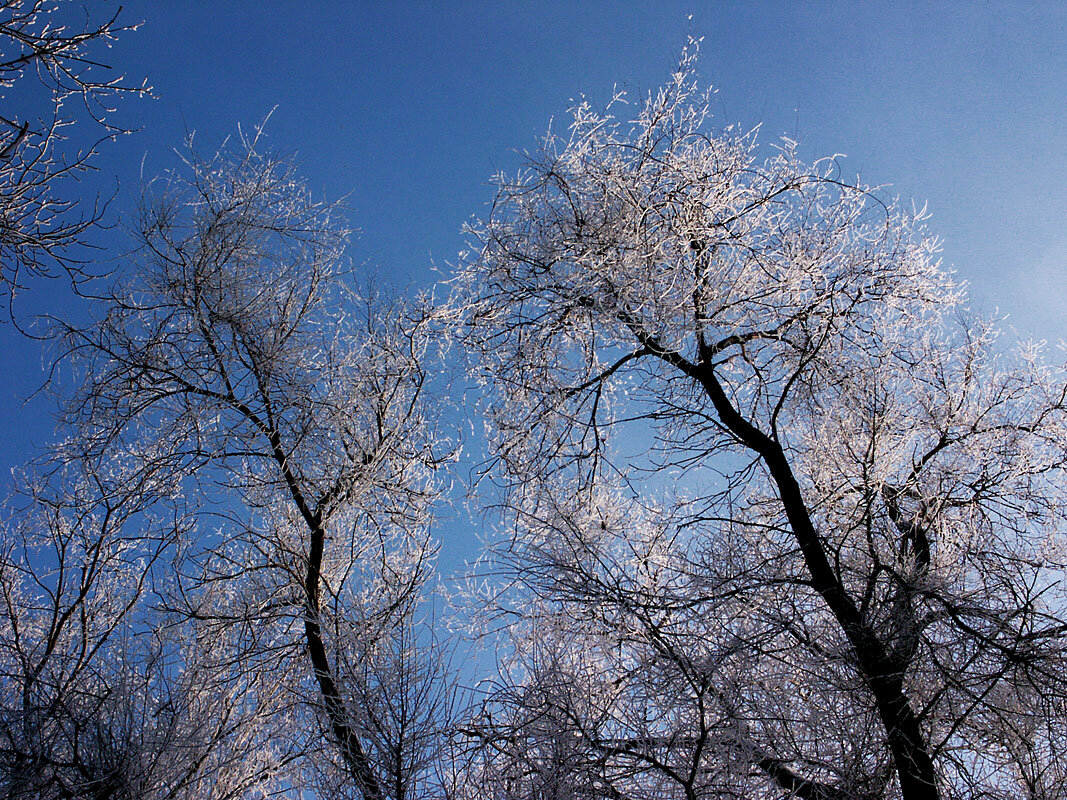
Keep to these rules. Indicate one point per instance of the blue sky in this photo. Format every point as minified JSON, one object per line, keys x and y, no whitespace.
{"x":407,"y":109}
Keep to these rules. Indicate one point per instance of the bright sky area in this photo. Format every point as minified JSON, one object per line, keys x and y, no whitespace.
{"x":409,"y":108}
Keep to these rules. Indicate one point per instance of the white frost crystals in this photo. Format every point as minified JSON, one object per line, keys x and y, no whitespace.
{"x":240,"y":386}
{"x":859,"y":598}
{"x":774,"y":515}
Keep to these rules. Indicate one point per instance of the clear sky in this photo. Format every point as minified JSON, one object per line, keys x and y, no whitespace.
{"x":408,"y":108}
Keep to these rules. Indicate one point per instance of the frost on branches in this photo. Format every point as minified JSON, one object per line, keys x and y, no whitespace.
{"x":97,"y":697}
{"x":782,"y":519}
{"x":785,"y":519}
{"x":51,"y":71}
{"x":271,"y":421}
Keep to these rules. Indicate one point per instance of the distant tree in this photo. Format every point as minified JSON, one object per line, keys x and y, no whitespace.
{"x":52,"y":78}
{"x":784,"y":519}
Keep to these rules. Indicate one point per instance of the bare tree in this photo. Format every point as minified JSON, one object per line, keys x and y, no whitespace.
{"x":785,"y":521}
{"x":101,"y":696}
{"x":243,"y":366}
{"x":49,"y":66}
{"x":402,"y":691}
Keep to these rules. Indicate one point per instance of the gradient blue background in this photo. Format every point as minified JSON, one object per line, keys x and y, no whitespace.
{"x":409,"y":108}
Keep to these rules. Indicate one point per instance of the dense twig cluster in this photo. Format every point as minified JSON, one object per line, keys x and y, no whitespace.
{"x":777,"y":517}
{"x":832,"y":568}
{"x":49,"y":61}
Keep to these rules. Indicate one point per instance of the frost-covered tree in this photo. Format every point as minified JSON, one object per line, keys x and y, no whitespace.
{"x":100,"y":695}
{"x":784,"y":519}
{"x":241,"y":367}
{"x":52,"y":76}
